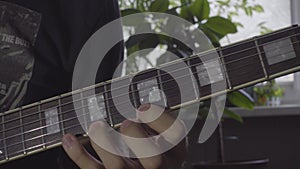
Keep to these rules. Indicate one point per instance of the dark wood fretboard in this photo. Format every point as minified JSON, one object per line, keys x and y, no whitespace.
{"x":40,"y":126}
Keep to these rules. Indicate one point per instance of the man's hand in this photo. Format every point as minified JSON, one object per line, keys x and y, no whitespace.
{"x":173,"y":158}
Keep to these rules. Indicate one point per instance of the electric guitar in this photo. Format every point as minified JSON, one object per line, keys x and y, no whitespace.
{"x":40,"y":126}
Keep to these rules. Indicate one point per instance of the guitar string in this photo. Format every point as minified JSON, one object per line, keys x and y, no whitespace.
{"x":60,"y":113}
{"x":45,"y":135}
{"x":41,"y":136}
{"x":237,"y":44}
{"x":111,"y":98}
{"x":291,"y":44}
{"x":230,"y":54}
{"x":65,"y":120}
{"x":193,"y":66}
{"x":77,"y":108}
{"x":61,"y":122}
{"x":65,"y":112}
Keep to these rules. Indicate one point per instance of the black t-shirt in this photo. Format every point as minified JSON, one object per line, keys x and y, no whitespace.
{"x":50,"y":35}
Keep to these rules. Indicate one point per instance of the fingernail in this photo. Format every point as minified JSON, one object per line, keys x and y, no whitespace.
{"x":125,"y":124}
{"x":68,"y":141}
{"x":144,"y":108}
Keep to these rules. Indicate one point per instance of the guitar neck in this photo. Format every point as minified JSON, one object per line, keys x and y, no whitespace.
{"x":41,"y":125}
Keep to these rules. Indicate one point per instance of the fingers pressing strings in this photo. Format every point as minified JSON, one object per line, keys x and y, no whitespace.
{"x":108,"y":147}
{"x":78,"y":154}
{"x":138,"y":139}
{"x":172,"y":131}
{"x":141,"y":148}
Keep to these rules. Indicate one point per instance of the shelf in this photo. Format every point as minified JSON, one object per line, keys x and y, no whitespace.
{"x":263,"y":111}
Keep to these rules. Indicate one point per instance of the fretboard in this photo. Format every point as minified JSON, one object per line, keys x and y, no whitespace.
{"x":40,"y":126}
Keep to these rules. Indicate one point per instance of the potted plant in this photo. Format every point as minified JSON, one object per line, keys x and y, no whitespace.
{"x":269,"y":94}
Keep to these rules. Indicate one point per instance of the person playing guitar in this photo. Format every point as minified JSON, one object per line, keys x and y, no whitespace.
{"x":39,"y":44}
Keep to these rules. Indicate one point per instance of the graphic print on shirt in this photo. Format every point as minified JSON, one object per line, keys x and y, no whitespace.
{"x":19,"y":27}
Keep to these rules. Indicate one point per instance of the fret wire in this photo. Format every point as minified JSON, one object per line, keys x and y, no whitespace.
{"x":83,"y":110}
{"x":69,"y":119}
{"x":4,"y":122}
{"x":160,"y":81}
{"x":133,"y":93}
{"x":108,"y":112}
{"x":197,"y":94}
{"x":261,"y":58}
{"x":41,"y":124}
{"x":112,"y":98}
{"x":175,"y":95}
{"x":243,"y":50}
{"x":246,"y":49}
{"x":61,"y":115}
{"x":225,"y":69}
{"x":195,"y":65}
{"x":257,"y":38}
{"x":4,"y":141}
{"x":73,"y":126}
{"x":279,"y":39}
{"x":234,"y":61}
{"x":45,"y":118}
{"x":59,"y":122}
{"x":291,"y":28}
{"x":208,"y":62}
{"x":117,"y":96}
{"x":43,"y":127}
{"x":72,"y":102}
{"x":224,"y":56}
{"x":259,"y":45}
{"x":49,"y":142}
{"x":22,"y":131}
{"x":292,"y":51}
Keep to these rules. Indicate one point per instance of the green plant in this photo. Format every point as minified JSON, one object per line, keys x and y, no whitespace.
{"x":233,"y":8}
{"x":268,"y":91}
{"x":198,"y":12}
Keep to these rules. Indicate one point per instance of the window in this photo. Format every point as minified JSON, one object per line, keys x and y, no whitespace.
{"x":278,"y":14}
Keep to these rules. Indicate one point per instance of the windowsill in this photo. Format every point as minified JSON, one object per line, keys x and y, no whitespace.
{"x":264,"y":111}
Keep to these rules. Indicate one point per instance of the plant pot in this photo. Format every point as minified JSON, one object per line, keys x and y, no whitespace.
{"x":250,"y":164}
{"x":274,"y":101}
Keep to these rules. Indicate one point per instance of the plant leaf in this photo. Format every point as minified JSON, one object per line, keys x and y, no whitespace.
{"x":233,"y":115}
{"x":221,"y":25}
{"x":258,"y":8}
{"x":187,"y":14}
{"x":200,"y":9}
{"x":173,"y":11}
{"x":150,"y":41}
{"x":159,"y":6}
{"x":134,"y":40}
{"x":241,"y":99}
{"x":130,"y":11}
{"x":213,"y":37}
